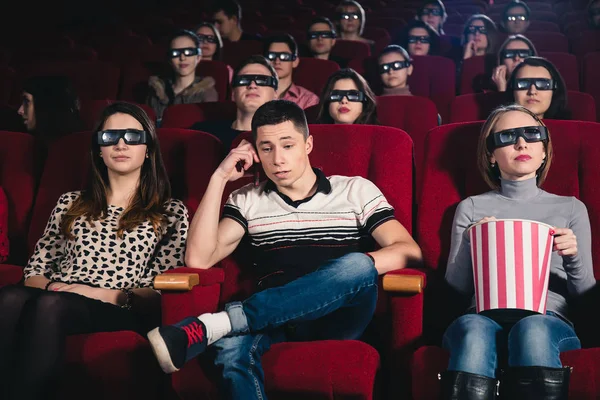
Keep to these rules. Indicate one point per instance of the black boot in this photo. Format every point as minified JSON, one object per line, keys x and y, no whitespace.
{"x":457,"y":385}
{"x":535,"y":383}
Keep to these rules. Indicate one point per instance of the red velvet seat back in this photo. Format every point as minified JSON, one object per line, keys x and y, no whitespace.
{"x":18,"y":180}
{"x":219,"y":72}
{"x":350,"y":49}
{"x":312,"y":73}
{"x":186,"y":115}
{"x":236,"y":52}
{"x":380,"y":154}
{"x":91,"y":110}
{"x":567,"y":66}
{"x":451,"y":175}
{"x":591,"y":77}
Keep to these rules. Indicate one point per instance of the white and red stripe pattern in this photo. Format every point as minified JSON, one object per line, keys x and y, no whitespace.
{"x":511,"y":264}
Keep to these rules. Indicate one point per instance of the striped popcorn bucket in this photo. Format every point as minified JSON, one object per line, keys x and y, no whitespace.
{"x":511,"y":264}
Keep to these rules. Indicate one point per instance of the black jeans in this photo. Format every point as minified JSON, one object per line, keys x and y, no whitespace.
{"x":34,"y":324}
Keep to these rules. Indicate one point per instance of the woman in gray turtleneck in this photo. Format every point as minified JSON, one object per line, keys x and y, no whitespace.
{"x":514,"y":162}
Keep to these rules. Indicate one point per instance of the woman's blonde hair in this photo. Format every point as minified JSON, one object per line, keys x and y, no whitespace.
{"x":491,"y":173}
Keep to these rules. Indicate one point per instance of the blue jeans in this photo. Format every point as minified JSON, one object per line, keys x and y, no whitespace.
{"x":344,"y":291}
{"x":474,"y":342}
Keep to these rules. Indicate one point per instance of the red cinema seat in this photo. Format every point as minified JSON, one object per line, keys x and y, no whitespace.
{"x":312,"y":73}
{"x":567,"y":66}
{"x":219,"y":72}
{"x":591,"y":77}
{"x":542,"y":26}
{"x":236,"y":52}
{"x":549,"y":41}
{"x":476,"y":107}
{"x":452,"y":175}
{"x":186,"y":115}
{"x":324,"y":370}
{"x":91,"y":110}
{"x":350,"y":49}
{"x":379,"y":35}
{"x":584,"y":43}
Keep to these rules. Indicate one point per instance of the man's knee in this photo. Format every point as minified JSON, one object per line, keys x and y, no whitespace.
{"x":355,"y":267}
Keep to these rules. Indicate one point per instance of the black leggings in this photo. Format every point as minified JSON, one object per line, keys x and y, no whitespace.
{"x":34,"y":324}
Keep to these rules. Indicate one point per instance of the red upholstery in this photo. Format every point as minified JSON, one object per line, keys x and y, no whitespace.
{"x":379,"y":35}
{"x":591,"y":77}
{"x":543,"y":26}
{"x":475,"y":107}
{"x":93,"y":80}
{"x":567,"y":66}
{"x":186,"y":115}
{"x":451,"y":175}
{"x":434,"y":77}
{"x":332,"y":369}
{"x":236,"y":52}
{"x":218,"y":70}
{"x":414,"y":115}
{"x":134,"y":85}
{"x":312,"y":73}
{"x":91,"y":110}
{"x":350,"y":49}
{"x":549,"y":41}
{"x":586,"y":42}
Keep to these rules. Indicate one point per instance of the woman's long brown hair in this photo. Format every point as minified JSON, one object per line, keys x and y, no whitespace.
{"x":151,"y":195}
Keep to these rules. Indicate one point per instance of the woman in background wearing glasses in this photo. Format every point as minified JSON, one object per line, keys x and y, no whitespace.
{"x":351,"y":21}
{"x":479,"y":36}
{"x":211,"y":44}
{"x":93,"y":268}
{"x":537,"y":85}
{"x":513,"y":51}
{"x":181,"y":86}
{"x":347,"y":99}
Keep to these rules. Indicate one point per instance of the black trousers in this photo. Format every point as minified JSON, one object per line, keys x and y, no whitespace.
{"x":34,"y":325}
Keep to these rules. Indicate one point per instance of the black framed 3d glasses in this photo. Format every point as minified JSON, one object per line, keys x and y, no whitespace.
{"x":281,"y":56}
{"x":260,"y":80}
{"x":396,"y":65}
{"x":475,"y":28}
{"x":539,"y":83}
{"x":188,"y":52}
{"x":321,"y":34}
{"x":110,"y":137}
{"x":513,"y":18}
{"x":420,"y":39}
{"x":352,"y":95}
{"x":207,"y":38}
{"x":436,"y":12}
{"x":521,"y":53}
{"x":350,"y":16}
{"x":507,"y":137}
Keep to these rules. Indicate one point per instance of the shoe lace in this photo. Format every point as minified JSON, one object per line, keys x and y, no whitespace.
{"x":194,"y":333}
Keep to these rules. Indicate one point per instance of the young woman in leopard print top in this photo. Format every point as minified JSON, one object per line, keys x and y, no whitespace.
{"x":93,"y":268}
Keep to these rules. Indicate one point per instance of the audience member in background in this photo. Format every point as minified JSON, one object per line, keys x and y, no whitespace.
{"x":227,"y":17}
{"x":4,"y":244}
{"x":347,"y":99}
{"x":254,"y":83}
{"x":93,"y":268}
{"x":282,"y":53}
{"x":479,"y":36}
{"x":351,"y":21}
{"x":394,"y":68}
{"x":420,"y":39}
{"x":433,"y":12}
{"x":514,"y":156}
{"x":513,"y":51}
{"x":50,"y":108}
{"x":515,"y":17}
{"x":211,"y":44}
{"x":537,"y":85}
{"x":593,"y":9}
{"x":182,"y":86}
{"x":321,"y":37}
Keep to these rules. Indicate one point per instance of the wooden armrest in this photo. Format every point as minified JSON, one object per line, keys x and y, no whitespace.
{"x":410,"y":284}
{"x":176,"y":282}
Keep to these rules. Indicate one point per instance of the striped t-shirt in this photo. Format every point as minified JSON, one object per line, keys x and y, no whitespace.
{"x":288,"y":239}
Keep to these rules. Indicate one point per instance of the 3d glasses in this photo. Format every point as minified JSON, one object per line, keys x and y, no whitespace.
{"x":188,"y":52}
{"x":420,"y":39}
{"x":436,"y":12}
{"x":111,"y":137}
{"x":350,"y":16}
{"x":321,"y":34}
{"x":521,"y":53}
{"x":352,"y":95}
{"x":509,"y":137}
{"x":281,"y":56}
{"x":513,"y":18}
{"x":539,"y":83}
{"x":396,"y":65}
{"x":207,"y":38}
{"x":260,"y":80}
{"x":475,"y":28}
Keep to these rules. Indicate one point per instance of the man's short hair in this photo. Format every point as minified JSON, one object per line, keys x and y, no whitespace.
{"x":322,"y":20}
{"x":257,"y":59}
{"x":276,"y":112}
{"x":516,"y":3}
{"x":281,"y":38}
{"x":231,"y":8}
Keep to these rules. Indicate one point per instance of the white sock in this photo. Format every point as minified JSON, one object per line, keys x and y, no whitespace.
{"x":217,"y":325}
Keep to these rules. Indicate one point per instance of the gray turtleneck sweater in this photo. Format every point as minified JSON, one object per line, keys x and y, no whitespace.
{"x":569,"y":275}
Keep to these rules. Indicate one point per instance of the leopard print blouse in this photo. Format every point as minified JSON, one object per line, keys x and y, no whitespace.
{"x":97,"y":257}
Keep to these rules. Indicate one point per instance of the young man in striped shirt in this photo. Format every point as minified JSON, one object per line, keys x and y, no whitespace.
{"x":309,"y":235}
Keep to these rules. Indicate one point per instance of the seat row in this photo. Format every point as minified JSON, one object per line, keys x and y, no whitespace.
{"x":337,"y":369}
